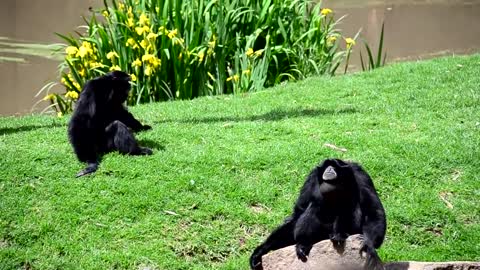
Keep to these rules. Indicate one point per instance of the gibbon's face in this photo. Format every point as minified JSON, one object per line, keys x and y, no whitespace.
{"x":121,"y":86}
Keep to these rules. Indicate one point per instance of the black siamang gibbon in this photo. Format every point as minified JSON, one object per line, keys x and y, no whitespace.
{"x":101,"y":123}
{"x":338,"y":199}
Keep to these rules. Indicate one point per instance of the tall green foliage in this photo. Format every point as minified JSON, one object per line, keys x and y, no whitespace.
{"x":177,"y":49}
{"x":373,"y":62}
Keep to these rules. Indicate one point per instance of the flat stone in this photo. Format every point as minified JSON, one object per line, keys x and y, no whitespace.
{"x":323,"y":256}
{"x":432,"y":266}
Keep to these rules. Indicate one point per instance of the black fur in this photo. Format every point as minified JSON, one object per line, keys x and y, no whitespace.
{"x":101,"y":123}
{"x":333,"y":210}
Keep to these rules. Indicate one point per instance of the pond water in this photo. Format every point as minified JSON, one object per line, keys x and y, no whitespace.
{"x":414,"y":29}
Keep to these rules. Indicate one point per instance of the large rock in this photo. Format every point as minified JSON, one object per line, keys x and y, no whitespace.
{"x":432,"y":266}
{"x":323,"y":256}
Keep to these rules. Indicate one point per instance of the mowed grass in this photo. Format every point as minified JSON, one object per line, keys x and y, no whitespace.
{"x":227,"y":170}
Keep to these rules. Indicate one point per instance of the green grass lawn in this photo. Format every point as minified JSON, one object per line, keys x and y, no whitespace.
{"x":227,"y":170}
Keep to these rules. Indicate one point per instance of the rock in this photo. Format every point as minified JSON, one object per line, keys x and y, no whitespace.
{"x":323,"y":256}
{"x":432,"y":266}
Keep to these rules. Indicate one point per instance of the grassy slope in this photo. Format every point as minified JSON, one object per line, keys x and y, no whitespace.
{"x":231,"y":168}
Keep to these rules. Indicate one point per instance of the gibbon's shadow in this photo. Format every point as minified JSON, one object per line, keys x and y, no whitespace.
{"x":151,"y":144}
{"x":11,"y":130}
{"x":398,"y":265}
{"x":274,"y":115}
{"x":340,"y":248}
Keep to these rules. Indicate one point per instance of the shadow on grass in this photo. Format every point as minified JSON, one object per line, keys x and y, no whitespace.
{"x":11,"y":130}
{"x":274,"y":115}
{"x":151,"y":144}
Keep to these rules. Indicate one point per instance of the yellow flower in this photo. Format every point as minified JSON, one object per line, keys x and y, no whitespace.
{"x":59,"y":114}
{"x":87,"y":45}
{"x":172,"y":33}
{"x":130,"y":42}
{"x":121,"y":6}
{"x":152,"y":36}
{"x":246,"y":72}
{"x":147,"y":57}
{"x":143,"y":20}
{"x":71,"y":50}
{"x":326,"y":11}
{"x":82,"y":52}
{"x":85,"y":49}
{"x":137,"y":63}
{"x":95,"y":65}
{"x":81,"y":72}
{"x":111,"y":55}
{"x":115,"y":67}
{"x":148,"y":71}
{"x":71,"y":94}
{"x":350,"y":42}
{"x":201,"y":55}
{"x":155,"y":62}
{"x":141,"y":30}
{"x":105,"y":13}
{"x":235,"y":78}
{"x":249,"y":52}
{"x":151,"y":60}
{"x":130,"y":22}
{"x":212,"y":43}
{"x":49,"y":97}
{"x":258,"y":53}
{"x":129,"y":12}
{"x":331,"y":40}
{"x":143,"y":43}
{"x":76,"y":85}
{"x":134,"y":78}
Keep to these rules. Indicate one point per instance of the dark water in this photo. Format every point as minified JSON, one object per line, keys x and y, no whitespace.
{"x":414,"y":29}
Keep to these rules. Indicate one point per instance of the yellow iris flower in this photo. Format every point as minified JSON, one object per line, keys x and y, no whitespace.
{"x":350,"y":42}
{"x":71,"y":50}
{"x":71,"y":94}
{"x":148,"y":71}
{"x":152,"y":36}
{"x":111,"y":55}
{"x":130,"y":22}
{"x":141,"y":30}
{"x":143,"y":20}
{"x":137,"y":63}
{"x":331,"y":40}
{"x":326,"y":11}
{"x":201,"y":55}
{"x":172,"y":33}
{"x":235,"y":78}
{"x":115,"y":67}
